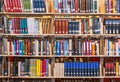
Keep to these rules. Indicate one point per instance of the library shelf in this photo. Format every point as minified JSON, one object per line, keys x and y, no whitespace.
{"x":28,"y":56}
{"x":61,"y":56}
{"x":4,"y":76}
{"x":79,"y":77}
{"x":62,"y":35}
{"x":31,"y":77}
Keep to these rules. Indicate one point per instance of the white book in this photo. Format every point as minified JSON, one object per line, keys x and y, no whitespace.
{"x":116,"y":44}
{"x":36,"y":47}
{"x":70,"y":47}
{"x":8,"y":47}
{"x":31,"y":25}
{"x":40,"y":27}
{"x":32,"y":6}
{"x":80,"y":27}
{"x":19,"y":68}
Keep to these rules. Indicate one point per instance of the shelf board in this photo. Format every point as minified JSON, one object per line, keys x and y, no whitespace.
{"x":60,"y":14}
{"x":4,"y":76}
{"x":61,"y":56}
{"x":31,"y":77}
{"x":28,"y":56}
{"x":62,"y":35}
{"x":26,"y":13}
{"x":79,"y":77}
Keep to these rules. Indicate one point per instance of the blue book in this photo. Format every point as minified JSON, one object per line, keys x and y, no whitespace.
{"x":21,"y":24}
{"x":14,"y":44}
{"x":118,"y":26}
{"x":74,"y":69}
{"x":91,"y":69}
{"x":69,"y":27}
{"x":19,"y":46}
{"x":114,"y":26}
{"x":79,"y":69}
{"x":26,"y":27}
{"x":47,"y":62}
{"x":22,"y":46}
{"x":88,"y":68}
{"x":97,"y":69}
{"x":68,"y":69}
{"x":65,"y":68}
{"x":82,"y":69}
{"x":107,"y":26}
{"x":108,"y":52}
{"x":66,"y":47}
{"x":40,"y":6}
{"x":85,"y":68}
{"x":94,"y":69}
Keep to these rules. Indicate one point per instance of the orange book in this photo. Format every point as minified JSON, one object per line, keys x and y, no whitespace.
{"x":102,"y":6}
{"x":93,"y":48}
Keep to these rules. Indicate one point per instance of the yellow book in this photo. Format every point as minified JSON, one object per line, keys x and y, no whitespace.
{"x":38,"y":67}
{"x":117,"y":68}
{"x":114,"y":5}
{"x":102,"y":6}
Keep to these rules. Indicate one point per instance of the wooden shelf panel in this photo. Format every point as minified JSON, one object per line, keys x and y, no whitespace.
{"x":31,"y":77}
{"x":60,"y":14}
{"x":61,"y":56}
{"x":63,"y":35}
{"x":4,"y":76}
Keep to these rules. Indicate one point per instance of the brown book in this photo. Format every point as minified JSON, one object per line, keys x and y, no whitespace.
{"x":66,"y":26}
{"x":83,"y":6}
{"x":59,"y":27}
{"x":56,"y":23}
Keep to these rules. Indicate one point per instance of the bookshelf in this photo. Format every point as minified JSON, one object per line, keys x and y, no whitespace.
{"x":59,"y":41}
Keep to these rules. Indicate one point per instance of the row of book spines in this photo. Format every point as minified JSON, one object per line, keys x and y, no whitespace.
{"x":84,"y":26}
{"x":81,"y":69}
{"x":62,"y":47}
{"x":76,"y":6}
{"x":112,"y":6}
{"x":112,"y":26}
{"x":112,"y":47}
{"x":76,"y":47}
{"x":3,"y":67}
{"x":28,"y":26}
{"x":32,"y":67}
{"x":112,"y":68}
{"x":77,"y":80}
{"x":31,"y":80}
{"x":60,"y":6}
{"x":1,"y":6}
{"x":27,"y":47}
{"x":25,"y":5}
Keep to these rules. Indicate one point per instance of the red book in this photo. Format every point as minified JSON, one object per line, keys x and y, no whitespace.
{"x":11,"y":5}
{"x":6,"y":5}
{"x":28,"y":45}
{"x":56,"y":26}
{"x":19,"y":6}
{"x":82,"y":27}
{"x":76,"y":6}
{"x":10,"y":42}
{"x":14,"y":5}
{"x":62,"y":26}
{"x":66,"y":26}
{"x":13,"y":25}
{"x":59,"y":27}
{"x":88,"y":26}
{"x":44,"y":67}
